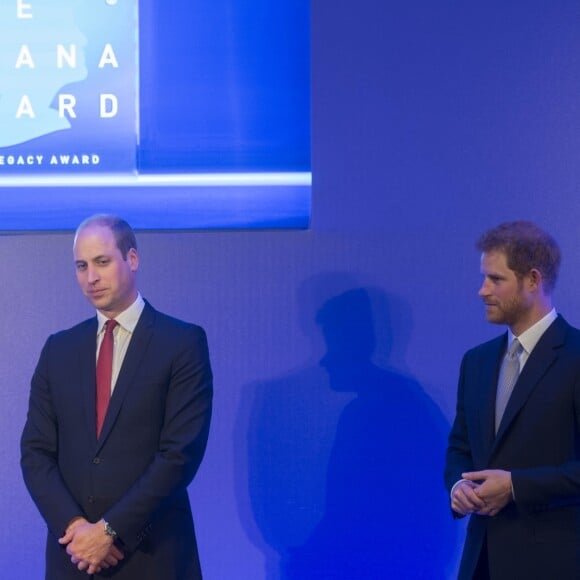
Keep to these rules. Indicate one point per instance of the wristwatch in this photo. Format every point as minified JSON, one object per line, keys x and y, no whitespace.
{"x":109,"y":531}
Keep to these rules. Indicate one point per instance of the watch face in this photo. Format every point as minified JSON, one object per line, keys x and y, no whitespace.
{"x":109,"y":530}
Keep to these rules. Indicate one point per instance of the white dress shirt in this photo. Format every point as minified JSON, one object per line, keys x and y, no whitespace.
{"x":122,"y":334}
{"x":531,"y":337}
{"x":528,"y":339}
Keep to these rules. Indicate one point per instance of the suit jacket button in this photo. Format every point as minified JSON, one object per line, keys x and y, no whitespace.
{"x":97,"y":460}
{"x":91,"y":499}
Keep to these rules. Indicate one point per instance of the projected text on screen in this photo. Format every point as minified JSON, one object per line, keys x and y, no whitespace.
{"x":174,"y":115}
{"x":68,"y":86}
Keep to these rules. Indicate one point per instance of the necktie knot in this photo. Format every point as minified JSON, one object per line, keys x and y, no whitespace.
{"x":515,"y":349}
{"x":110,"y":325}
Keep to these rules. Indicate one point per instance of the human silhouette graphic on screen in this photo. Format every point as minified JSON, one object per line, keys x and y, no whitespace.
{"x":30,"y":75}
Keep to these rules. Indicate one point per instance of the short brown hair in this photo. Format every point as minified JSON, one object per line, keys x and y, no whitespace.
{"x":527,"y":247}
{"x":123,"y":232}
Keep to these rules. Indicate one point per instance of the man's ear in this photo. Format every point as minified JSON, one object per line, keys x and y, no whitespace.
{"x":133,"y":259}
{"x":535,"y":279}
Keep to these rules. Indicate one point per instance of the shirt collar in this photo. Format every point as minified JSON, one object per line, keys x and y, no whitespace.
{"x":128,"y":319}
{"x":532,"y":335}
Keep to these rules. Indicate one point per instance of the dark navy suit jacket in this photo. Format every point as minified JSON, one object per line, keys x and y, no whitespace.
{"x":538,"y":535}
{"x":136,"y":474}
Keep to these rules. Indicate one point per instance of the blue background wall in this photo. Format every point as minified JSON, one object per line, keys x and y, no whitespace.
{"x":336,"y":350}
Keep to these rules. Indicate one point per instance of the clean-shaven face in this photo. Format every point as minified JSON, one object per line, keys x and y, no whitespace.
{"x":105,"y":278}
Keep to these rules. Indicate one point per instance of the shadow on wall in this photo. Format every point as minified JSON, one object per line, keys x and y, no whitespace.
{"x":345,"y":457}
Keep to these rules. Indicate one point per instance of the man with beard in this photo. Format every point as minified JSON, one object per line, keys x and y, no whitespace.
{"x":513,"y":461}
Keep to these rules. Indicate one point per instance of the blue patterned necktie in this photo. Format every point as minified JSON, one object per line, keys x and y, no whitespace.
{"x":508,"y":375}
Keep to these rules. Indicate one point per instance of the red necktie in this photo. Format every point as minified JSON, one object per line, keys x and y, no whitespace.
{"x":105,"y":373}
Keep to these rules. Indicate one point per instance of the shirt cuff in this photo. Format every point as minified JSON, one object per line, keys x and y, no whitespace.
{"x":455,"y":485}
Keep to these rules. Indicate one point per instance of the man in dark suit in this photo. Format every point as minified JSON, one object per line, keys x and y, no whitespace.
{"x":513,"y":461}
{"x":110,"y":478}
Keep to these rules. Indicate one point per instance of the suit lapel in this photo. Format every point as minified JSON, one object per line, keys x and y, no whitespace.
{"x":133,"y":357}
{"x":540,"y":361}
{"x":86,"y":366}
{"x":488,"y":387}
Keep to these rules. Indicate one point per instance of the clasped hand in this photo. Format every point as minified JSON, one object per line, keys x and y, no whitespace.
{"x":485,"y":492}
{"x":88,"y":546}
